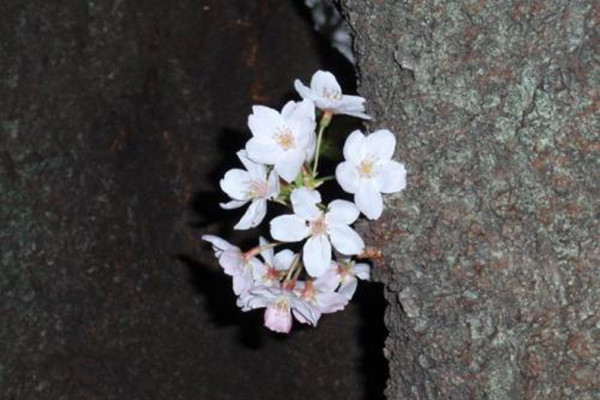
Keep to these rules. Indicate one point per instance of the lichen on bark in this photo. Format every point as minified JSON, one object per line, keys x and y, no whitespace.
{"x":491,"y":254}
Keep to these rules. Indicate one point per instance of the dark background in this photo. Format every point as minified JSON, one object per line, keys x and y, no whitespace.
{"x":117,"y":118}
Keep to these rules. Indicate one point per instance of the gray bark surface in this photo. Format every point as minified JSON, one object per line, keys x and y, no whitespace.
{"x":492,"y":264}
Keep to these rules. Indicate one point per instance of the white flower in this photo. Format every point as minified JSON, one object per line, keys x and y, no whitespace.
{"x":268,"y":273}
{"x":369,"y":170}
{"x":272,"y":270}
{"x":284,"y":140}
{"x":321,"y":294}
{"x":251,"y":185}
{"x":235,"y":263}
{"x":322,"y":228}
{"x":280,"y":303}
{"x":345,"y":272}
{"x":327,"y":95}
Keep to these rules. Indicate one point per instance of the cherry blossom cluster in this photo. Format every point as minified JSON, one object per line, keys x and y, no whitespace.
{"x":281,"y":163}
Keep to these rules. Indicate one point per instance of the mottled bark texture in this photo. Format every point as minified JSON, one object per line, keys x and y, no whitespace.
{"x":491,"y":254}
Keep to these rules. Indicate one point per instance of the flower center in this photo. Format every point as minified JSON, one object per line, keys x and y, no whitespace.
{"x":309,"y":292}
{"x":366,"y":169}
{"x":272,"y":274}
{"x":282,"y":304}
{"x":331,"y":94}
{"x":258,"y":189}
{"x":318,"y":226}
{"x":285,"y":138}
{"x":343,"y":270}
{"x":289,"y":285}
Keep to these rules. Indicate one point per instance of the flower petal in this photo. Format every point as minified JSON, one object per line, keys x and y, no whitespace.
{"x":283,"y":260}
{"x":369,"y":201}
{"x":356,"y":114}
{"x":342,"y":212}
{"x":264,"y":121}
{"x":263,"y":151}
{"x":303,"y":90}
{"x":352,"y":103}
{"x":251,"y":300}
{"x":268,"y":253}
{"x":232,"y":262}
{"x":300,"y":317}
{"x":316,"y":255}
{"x":273,"y":182}
{"x":259,"y":270}
{"x":288,"y":108}
{"x":290,"y":164}
{"x":253,"y":215}
{"x":235,"y":184}
{"x":303,"y":110}
{"x":345,"y":239}
{"x":327,"y":282}
{"x":256,"y":170}
{"x":311,"y":147}
{"x":263,"y":292}
{"x":347,"y":176}
{"x":278,"y":319}
{"x":303,"y":130}
{"x":348,"y":287}
{"x":304,"y":312}
{"x":304,"y":202}
{"x":354,"y":147}
{"x":363,"y":271}
{"x":233,"y":204}
{"x":354,"y":106}
{"x":289,"y":228}
{"x":218,"y":243}
{"x":391,"y":177}
{"x":324,"y":82}
{"x":381,"y":145}
{"x":331,"y":302}
{"x":243,"y":281}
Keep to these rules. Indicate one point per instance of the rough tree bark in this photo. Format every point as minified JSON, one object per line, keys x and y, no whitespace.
{"x":491,"y":254}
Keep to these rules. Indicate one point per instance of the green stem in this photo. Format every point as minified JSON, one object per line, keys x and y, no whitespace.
{"x":294,"y":264}
{"x":324,"y":123}
{"x":259,"y":249}
{"x":297,"y":273}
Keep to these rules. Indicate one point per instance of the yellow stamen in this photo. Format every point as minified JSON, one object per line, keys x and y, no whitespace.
{"x":331,"y":94}
{"x":285,"y":138}
{"x":282,"y":304}
{"x":258,"y":189}
{"x":318,"y":226}
{"x":366,"y":169}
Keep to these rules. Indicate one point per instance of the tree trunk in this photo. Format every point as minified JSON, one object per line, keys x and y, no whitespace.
{"x":491,"y":254}
{"x":114,"y":117}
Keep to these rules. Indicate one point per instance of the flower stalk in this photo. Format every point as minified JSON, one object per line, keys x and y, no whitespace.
{"x":323,"y":124}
